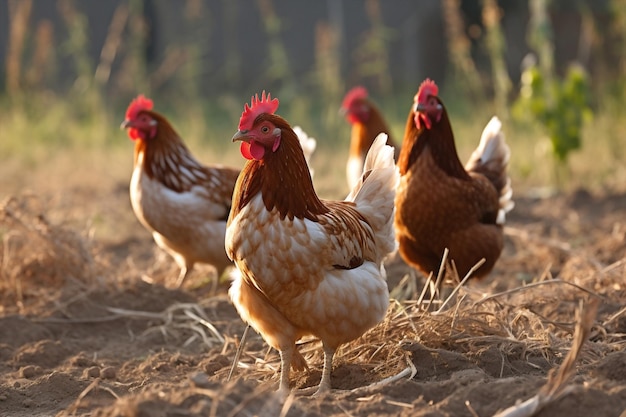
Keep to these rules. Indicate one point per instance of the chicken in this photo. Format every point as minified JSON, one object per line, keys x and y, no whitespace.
{"x":442,"y":204}
{"x":367,"y":122}
{"x":183,"y":203}
{"x":307,"y":266}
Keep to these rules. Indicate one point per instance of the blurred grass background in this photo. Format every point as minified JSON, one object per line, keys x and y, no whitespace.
{"x":64,"y":94}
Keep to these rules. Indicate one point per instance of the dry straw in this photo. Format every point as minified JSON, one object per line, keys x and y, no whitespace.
{"x":521,"y":323}
{"x":34,"y":248}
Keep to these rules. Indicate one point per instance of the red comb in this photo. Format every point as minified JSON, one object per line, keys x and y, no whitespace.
{"x":357,"y":93}
{"x":139,"y":104}
{"x":266,"y":105}
{"x":427,"y":88}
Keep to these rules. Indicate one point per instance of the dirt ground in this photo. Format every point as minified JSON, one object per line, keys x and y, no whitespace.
{"x":89,"y":324}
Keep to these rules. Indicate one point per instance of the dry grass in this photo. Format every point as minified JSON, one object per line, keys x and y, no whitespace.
{"x":31,"y":244}
{"x":537,"y":320}
{"x":557,"y":384}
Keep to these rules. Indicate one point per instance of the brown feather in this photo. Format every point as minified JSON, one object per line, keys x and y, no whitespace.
{"x":189,"y":228}
{"x":362,"y":135}
{"x":168,"y":160}
{"x":308,"y":266}
{"x":439,"y":138}
{"x":295,"y":197}
{"x":440,"y":205}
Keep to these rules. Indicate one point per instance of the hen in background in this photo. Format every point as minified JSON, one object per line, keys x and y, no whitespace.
{"x":183,"y":203}
{"x":307,"y":266}
{"x":367,"y":122}
{"x":442,"y":204}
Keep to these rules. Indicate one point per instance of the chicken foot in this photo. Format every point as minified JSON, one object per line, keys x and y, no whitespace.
{"x":324,"y":386}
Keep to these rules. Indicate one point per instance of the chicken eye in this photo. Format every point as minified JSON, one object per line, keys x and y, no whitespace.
{"x":265,"y":129}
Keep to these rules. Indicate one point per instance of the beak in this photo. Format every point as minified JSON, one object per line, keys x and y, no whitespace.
{"x":343,"y":111}
{"x":241,"y":135}
{"x":421,"y":108}
{"x":125,"y":124}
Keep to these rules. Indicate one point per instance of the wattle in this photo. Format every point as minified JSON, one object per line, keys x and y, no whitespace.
{"x":353,"y":118}
{"x":134,"y":133}
{"x":358,"y":117}
{"x":252,"y":150}
{"x":420,"y":118}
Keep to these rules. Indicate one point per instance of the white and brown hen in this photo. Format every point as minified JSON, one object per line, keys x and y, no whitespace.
{"x":183,"y":203}
{"x":307,"y":266}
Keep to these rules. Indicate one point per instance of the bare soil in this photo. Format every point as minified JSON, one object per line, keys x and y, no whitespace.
{"x":90,"y":326}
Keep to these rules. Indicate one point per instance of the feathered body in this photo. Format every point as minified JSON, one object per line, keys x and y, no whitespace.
{"x":183,"y":203}
{"x":442,"y":204}
{"x":308,"y":266}
{"x":367,"y":122}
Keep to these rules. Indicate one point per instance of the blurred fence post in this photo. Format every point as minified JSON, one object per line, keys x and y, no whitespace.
{"x":111,"y":44}
{"x":372,"y":55}
{"x":19,"y":15}
{"x":496,"y":45}
{"x":232,"y":57}
{"x":278,"y":68}
{"x":137,"y":45}
{"x":618,"y":9}
{"x":459,"y":49}
{"x":540,"y":39}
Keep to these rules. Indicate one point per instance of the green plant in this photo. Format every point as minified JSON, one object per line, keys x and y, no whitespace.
{"x":561,"y":106}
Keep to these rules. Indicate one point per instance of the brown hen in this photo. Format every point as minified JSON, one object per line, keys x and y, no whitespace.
{"x":367,"y":123}
{"x":442,"y":204}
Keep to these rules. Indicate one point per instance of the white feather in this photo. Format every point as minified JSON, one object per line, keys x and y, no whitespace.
{"x":492,"y":144}
{"x":375,"y":193}
{"x":354,"y":170}
{"x":493,"y":150}
{"x":308,"y":145}
{"x":179,"y":221}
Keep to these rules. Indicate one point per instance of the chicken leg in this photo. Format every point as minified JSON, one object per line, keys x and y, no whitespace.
{"x":184,"y":271}
{"x":324,"y":386}
{"x":286,"y":355}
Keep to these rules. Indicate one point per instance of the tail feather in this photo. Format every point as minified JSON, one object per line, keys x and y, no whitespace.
{"x":491,"y":159}
{"x":506,"y":202}
{"x":308,"y":145}
{"x":375,"y":192}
